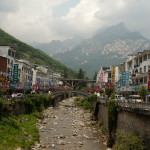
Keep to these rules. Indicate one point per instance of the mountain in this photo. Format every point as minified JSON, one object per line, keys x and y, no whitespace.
{"x":109,"y":46}
{"x":57,"y":46}
{"x":34,"y":56}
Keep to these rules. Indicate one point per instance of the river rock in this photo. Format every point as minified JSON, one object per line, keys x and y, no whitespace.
{"x":61,"y":142}
{"x":53,"y":145}
{"x":62,"y":136}
{"x":80,"y":144}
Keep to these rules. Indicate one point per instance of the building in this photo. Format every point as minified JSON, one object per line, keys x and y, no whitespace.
{"x":3,"y":69}
{"x":24,"y":73}
{"x":103,"y":76}
{"x":6,"y":52}
{"x":42,"y":77}
{"x":137,"y":67}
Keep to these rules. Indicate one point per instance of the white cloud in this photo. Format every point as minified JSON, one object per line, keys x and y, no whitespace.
{"x":33,"y":20}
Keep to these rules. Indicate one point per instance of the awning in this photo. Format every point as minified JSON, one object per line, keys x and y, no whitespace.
{"x":142,"y":75}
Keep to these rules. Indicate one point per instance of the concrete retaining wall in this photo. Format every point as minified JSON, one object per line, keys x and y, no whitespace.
{"x":127,"y":121}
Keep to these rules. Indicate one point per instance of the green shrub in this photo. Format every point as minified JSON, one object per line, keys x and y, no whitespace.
{"x":87,"y":105}
{"x":112,"y":118}
{"x":128,"y":142}
{"x":3,"y":92}
{"x":4,"y":108}
{"x":47,"y":100}
{"x":29,"y":105}
{"x":92,"y":98}
{"x":38,"y":102}
{"x":27,"y":91}
{"x":18,"y":132}
{"x":84,"y":103}
{"x":21,"y":131}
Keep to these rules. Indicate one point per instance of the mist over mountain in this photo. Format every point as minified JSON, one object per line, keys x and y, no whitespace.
{"x":57,"y":46}
{"x":109,"y":46}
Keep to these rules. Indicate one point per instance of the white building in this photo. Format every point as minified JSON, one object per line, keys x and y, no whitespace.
{"x":103,"y":76}
{"x":42,"y":77}
{"x":138,"y":68}
{"x":24,"y":73}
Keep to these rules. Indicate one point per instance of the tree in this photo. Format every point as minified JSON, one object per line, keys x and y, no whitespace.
{"x":101,"y":91}
{"x":109,"y":91}
{"x":65,"y":73}
{"x":81,"y":74}
{"x":95,"y":75}
{"x":128,"y":142}
{"x":142,"y":92}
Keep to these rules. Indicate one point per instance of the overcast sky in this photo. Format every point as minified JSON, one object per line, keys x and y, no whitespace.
{"x":46,"y":20}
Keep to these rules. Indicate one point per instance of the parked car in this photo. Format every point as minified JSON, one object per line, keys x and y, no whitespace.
{"x":119,"y":97}
{"x":17,"y":95}
{"x":33,"y":92}
{"x":49,"y":92}
{"x":135,"y":98}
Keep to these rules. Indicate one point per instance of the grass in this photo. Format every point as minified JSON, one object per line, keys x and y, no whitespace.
{"x":84,"y":103}
{"x":18,"y":132}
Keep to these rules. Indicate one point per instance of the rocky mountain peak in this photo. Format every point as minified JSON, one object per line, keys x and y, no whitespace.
{"x":109,"y":46}
{"x":115,"y":30}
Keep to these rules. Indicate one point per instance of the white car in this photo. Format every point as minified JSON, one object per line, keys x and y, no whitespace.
{"x":49,"y":92}
{"x":17,"y":95}
{"x":33,"y":92}
{"x":119,"y":97}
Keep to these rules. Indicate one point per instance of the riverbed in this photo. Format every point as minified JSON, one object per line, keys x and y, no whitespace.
{"x":68,"y":127}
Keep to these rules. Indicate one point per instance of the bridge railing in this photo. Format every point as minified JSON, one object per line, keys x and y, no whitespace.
{"x":135,"y":105}
{"x":131,"y":105}
{"x":59,"y":92}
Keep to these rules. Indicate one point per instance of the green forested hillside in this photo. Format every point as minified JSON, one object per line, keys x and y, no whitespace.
{"x":34,"y":56}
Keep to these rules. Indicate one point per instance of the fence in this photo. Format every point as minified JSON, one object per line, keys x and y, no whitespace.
{"x":131,"y":105}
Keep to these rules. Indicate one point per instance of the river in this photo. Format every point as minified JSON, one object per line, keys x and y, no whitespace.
{"x":67,"y":127}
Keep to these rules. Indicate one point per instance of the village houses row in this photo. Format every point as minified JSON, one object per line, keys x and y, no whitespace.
{"x":127,"y":76}
{"x":21,"y":74}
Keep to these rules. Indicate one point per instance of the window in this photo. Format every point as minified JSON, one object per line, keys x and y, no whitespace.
{"x":9,"y":52}
{"x":136,"y":61}
{"x":145,"y":57}
{"x":140,"y":70}
{"x":148,"y":56}
{"x":144,"y":69}
{"x":140,"y":60}
{"x":145,"y":80}
{"x":12,"y":63}
{"x":13,"y":54}
{"x":8,"y":61}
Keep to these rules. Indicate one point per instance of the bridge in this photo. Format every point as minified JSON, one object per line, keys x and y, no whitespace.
{"x":74,"y":82}
{"x":68,"y":91}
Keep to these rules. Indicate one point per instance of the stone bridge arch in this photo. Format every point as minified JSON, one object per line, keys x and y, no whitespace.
{"x":74,"y":92}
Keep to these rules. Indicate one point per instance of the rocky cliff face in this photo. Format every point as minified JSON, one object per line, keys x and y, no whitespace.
{"x":107,"y":47}
{"x":57,"y":46}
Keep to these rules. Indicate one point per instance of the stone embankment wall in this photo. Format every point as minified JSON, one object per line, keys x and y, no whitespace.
{"x":128,"y":120}
{"x":22,"y":105}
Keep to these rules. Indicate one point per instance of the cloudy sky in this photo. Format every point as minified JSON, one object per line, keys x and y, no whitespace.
{"x":46,"y":20}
